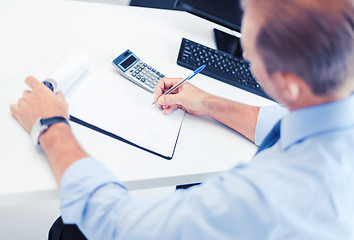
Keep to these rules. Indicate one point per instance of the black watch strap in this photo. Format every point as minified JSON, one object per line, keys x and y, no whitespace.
{"x":42,"y":125}
{"x":53,"y":120}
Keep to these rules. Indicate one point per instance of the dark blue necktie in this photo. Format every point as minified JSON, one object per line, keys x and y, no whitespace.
{"x":271,"y":138}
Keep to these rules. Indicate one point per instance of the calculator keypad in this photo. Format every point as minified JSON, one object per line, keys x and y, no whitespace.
{"x":146,"y":74}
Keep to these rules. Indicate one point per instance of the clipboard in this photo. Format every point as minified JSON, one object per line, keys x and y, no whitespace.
{"x":106,"y":102}
{"x":109,"y":134}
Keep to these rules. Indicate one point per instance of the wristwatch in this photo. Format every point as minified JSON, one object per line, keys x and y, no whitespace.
{"x":42,"y":124}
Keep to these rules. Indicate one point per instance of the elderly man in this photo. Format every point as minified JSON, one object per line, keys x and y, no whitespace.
{"x":299,"y":185}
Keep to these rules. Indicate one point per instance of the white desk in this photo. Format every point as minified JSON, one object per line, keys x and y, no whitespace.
{"x":34,"y":34}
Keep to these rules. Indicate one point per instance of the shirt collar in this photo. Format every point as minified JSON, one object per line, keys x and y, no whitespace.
{"x":307,"y":122}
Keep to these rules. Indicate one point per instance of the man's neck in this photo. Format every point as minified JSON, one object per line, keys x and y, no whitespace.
{"x":312,"y":100}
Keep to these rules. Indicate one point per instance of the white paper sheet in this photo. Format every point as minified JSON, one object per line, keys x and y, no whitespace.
{"x":107,"y":100}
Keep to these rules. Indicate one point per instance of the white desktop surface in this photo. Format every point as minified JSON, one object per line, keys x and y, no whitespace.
{"x":34,"y":34}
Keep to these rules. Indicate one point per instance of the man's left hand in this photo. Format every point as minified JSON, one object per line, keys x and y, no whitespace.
{"x":39,"y":102}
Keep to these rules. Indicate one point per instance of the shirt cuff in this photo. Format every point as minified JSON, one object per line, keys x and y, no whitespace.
{"x":79,"y":181}
{"x":267,"y":117}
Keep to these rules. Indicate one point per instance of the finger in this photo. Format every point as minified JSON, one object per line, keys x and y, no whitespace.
{"x":18,"y":115}
{"x":160,"y":86}
{"x":165,"y":84}
{"x":33,"y":83}
{"x":170,"y":82}
{"x":14,"y":108}
{"x":26,"y":94}
{"x":170,"y":99}
{"x":169,"y":109}
{"x":61,"y":96}
{"x":21,"y":102}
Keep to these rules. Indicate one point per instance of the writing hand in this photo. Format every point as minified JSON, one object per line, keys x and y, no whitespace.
{"x":188,"y":97}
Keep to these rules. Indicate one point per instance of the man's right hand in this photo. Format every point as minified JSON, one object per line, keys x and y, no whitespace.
{"x":188,"y":97}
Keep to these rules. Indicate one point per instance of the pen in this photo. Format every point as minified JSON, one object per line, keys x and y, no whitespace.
{"x":195,"y":72}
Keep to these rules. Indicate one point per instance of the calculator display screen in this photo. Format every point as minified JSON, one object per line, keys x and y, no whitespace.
{"x":128,"y":61}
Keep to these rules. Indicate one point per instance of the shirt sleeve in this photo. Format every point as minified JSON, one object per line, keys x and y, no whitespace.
{"x":101,"y":206}
{"x":267,"y":117}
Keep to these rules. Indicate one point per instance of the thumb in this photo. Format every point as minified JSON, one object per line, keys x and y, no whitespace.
{"x":60,"y":94}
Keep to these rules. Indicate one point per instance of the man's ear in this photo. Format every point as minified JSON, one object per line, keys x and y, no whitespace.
{"x":288,"y":85}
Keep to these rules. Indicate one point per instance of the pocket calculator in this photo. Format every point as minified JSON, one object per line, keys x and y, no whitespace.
{"x":137,"y":71}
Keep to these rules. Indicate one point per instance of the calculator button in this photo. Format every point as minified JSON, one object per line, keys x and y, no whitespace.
{"x":145,"y":64}
{"x":162,"y":76}
{"x":149,"y":67}
{"x":152,"y":85}
{"x":138,"y":77}
{"x":153,"y":70}
{"x":147,"y":83}
{"x":134,"y":74}
{"x":143,"y":79}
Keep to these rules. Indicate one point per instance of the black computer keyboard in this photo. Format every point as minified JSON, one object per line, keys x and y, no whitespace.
{"x":219,"y":65}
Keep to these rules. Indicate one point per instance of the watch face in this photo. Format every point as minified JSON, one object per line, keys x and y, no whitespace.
{"x":37,"y":129}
